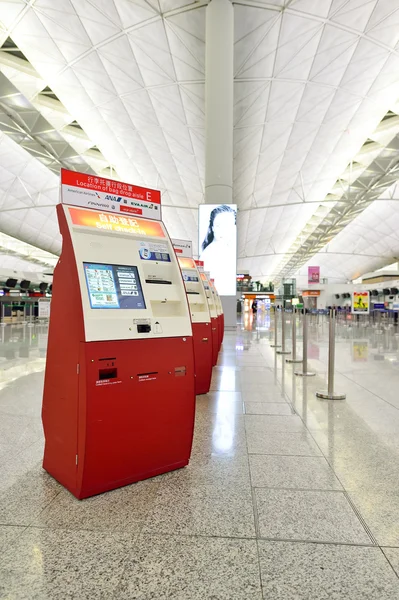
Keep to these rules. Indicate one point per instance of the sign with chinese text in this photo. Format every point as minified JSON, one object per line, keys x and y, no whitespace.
{"x":313,"y":274}
{"x":90,"y":191}
{"x":115,"y":223}
{"x":360,"y":303}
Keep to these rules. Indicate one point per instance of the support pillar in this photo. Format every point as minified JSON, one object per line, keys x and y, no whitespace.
{"x":219,"y":80}
{"x":219,"y":101}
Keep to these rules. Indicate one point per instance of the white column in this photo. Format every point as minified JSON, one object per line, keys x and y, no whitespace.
{"x":219,"y":76}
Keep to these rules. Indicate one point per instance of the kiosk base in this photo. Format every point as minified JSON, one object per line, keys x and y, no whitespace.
{"x":132,"y":418}
{"x":202,"y":334}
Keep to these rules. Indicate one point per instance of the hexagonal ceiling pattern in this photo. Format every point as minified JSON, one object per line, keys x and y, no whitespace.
{"x":313,"y":79}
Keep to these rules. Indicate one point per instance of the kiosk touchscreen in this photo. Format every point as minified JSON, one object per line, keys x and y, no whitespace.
{"x":201,"y":324}
{"x":213,"y":312}
{"x":119,"y":392}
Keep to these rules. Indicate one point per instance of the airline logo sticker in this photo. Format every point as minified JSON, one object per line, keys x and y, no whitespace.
{"x":183,"y":247}
{"x":89,"y":191}
{"x":115,"y":223}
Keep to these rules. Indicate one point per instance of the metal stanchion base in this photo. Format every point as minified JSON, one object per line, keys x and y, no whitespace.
{"x":327,"y":396}
{"x":302,"y":374}
{"x":283,"y":352}
{"x":293,"y":360}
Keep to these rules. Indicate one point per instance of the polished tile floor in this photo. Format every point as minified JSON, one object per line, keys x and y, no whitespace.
{"x":286,"y":496}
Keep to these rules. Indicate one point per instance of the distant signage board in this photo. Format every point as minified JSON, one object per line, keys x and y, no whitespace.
{"x":44,"y":308}
{"x":361,"y":303}
{"x":310,"y":293}
{"x":313,"y":274}
{"x":218,"y":244}
{"x":379,"y":306}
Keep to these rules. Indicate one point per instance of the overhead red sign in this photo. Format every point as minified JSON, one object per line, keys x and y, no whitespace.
{"x":90,"y":191}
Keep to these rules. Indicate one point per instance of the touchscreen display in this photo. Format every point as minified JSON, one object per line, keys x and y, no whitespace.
{"x":113,"y":286}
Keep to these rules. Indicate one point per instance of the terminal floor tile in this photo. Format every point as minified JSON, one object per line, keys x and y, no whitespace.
{"x":286,"y":497}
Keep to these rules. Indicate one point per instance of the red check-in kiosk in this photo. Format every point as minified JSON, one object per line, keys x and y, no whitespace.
{"x":201,"y":324}
{"x":119,"y":395}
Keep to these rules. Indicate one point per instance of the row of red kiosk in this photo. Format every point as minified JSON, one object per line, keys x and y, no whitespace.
{"x":135,"y":330}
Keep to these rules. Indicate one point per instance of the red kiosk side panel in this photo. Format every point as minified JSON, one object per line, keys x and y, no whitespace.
{"x":203,"y":353}
{"x":215,"y":340}
{"x":60,"y":397}
{"x":220,"y":333}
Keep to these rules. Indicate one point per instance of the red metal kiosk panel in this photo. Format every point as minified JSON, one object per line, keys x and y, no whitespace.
{"x":203,"y":356}
{"x":220,"y":331}
{"x":139,"y":423}
{"x":215,"y":339}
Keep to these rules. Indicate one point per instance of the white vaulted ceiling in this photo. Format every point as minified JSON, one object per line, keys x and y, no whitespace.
{"x":313,"y":79}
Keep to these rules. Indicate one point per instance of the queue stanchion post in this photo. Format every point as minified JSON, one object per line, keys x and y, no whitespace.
{"x":283,"y":349}
{"x":30,"y":324}
{"x":330,"y":394}
{"x":3,"y":324}
{"x":305,"y":372}
{"x":294,"y":358}
{"x":276,"y":344}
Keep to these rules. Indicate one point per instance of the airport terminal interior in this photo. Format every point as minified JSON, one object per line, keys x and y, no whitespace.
{"x":199,"y":299}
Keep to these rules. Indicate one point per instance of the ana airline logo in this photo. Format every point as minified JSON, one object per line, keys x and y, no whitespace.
{"x":113,"y":198}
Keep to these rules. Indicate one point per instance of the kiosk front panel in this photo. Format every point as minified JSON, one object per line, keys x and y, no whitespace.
{"x":119,"y":395}
{"x":201,"y":324}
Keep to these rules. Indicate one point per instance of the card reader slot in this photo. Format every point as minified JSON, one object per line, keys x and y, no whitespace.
{"x":111,"y":358}
{"x":197,"y":293}
{"x":149,"y":373}
{"x":160,"y":281}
